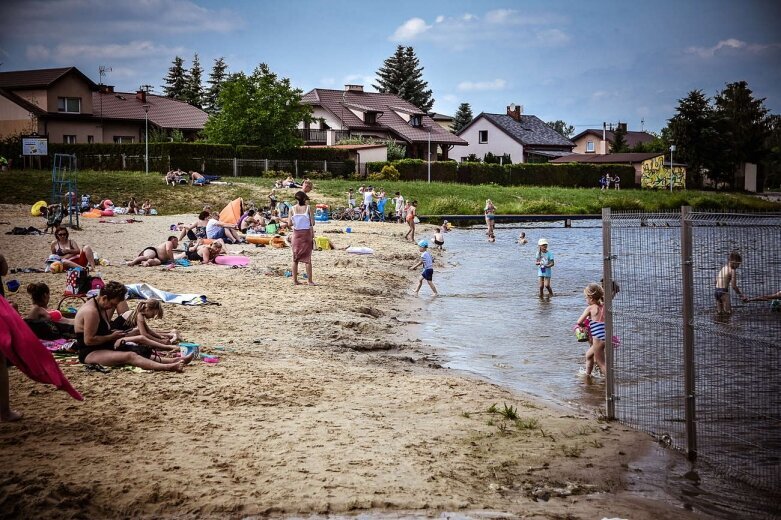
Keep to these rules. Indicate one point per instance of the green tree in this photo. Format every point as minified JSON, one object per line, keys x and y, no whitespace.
{"x":659,"y":143}
{"x":216,"y":77}
{"x":742,"y":122}
{"x":619,"y":140}
{"x":401,"y":74}
{"x":693,"y":131}
{"x":562,"y":128}
{"x":771,"y":167}
{"x":260,"y":109}
{"x":194,"y":90}
{"x":463,"y":117}
{"x":177,"y":80}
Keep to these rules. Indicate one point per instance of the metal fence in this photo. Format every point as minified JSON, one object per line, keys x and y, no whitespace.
{"x":701,"y":381}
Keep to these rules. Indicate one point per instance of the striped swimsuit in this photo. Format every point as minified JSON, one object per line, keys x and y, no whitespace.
{"x":597,"y":328}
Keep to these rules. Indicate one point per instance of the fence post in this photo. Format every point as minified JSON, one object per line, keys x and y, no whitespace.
{"x":296,"y":165}
{"x":687,"y":273}
{"x":265,"y":168}
{"x":325,"y":166}
{"x":607,"y":283}
{"x":235,"y":167}
{"x":124,"y":165}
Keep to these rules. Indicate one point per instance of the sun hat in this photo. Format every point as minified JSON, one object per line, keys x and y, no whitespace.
{"x":542,"y":242}
{"x":423,"y":243}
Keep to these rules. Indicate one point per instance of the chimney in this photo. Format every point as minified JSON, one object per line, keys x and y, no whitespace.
{"x":622,"y":125}
{"x":141,"y":95}
{"x":515,"y":111}
{"x":107,"y":89}
{"x":353,"y":88}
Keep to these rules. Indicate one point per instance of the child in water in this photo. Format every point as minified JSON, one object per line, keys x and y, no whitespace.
{"x":522,"y":239}
{"x":439,"y":239}
{"x":595,"y":315}
{"x":427,"y":261}
{"x":544,"y":261}
{"x":727,"y":278}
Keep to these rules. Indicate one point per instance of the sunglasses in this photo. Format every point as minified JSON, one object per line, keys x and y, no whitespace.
{"x":62,"y":234}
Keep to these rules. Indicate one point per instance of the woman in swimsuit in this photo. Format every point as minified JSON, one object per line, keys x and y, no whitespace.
{"x":205,"y":253}
{"x":411,"y":214}
{"x":197,"y":229}
{"x":96,"y":343}
{"x":70,"y":252}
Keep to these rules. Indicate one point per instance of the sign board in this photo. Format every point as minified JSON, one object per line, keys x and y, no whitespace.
{"x":35,"y":146}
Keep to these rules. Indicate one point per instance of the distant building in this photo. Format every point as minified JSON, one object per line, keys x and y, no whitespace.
{"x":351,"y":112}
{"x":600,"y":140}
{"x":442,"y":120}
{"x":525,"y":138}
{"x":68,"y":107}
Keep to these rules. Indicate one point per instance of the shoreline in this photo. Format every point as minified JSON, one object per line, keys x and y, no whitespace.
{"x":320,"y":404}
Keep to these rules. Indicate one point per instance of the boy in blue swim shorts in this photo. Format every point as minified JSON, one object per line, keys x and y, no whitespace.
{"x":427,"y":261}
{"x":544,"y":261}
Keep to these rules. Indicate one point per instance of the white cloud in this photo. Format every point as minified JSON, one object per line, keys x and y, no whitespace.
{"x":500,"y":15}
{"x":410,"y":30}
{"x":468,"y":17}
{"x":37,"y":53}
{"x":440,"y":19}
{"x":66,"y":52}
{"x":731,"y":44}
{"x":470,"y":86}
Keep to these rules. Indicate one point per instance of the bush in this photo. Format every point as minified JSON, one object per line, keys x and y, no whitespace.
{"x":570,"y":175}
{"x":376,"y":166}
{"x":388,"y":173}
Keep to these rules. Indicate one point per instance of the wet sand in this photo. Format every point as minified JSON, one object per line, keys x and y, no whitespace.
{"x":323,"y":402}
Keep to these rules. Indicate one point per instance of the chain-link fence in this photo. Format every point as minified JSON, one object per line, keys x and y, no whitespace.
{"x":699,"y":378}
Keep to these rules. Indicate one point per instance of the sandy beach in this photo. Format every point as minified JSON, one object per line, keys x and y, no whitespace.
{"x":323,"y":402}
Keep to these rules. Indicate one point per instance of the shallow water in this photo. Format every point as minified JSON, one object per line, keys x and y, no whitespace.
{"x":490,"y":321}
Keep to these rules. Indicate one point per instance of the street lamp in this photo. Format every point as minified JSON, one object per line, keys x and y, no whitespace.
{"x":146,"y":137}
{"x":672,"y":170}
{"x":429,"y":154}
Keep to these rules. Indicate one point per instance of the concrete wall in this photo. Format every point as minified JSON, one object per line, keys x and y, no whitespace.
{"x":36,"y":97}
{"x":499,"y":143}
{"x":70,"y":86}
{"x":81,"y":129}
{"x":112,"y":129}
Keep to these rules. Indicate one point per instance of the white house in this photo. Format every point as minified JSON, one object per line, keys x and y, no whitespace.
{"x":524,"y":138}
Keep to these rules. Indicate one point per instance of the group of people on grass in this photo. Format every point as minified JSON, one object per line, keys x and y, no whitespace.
{"x":607,"y":180}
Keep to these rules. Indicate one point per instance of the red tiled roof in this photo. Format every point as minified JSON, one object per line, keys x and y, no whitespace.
{"x":163,"y":112}
{"x":632,"y":138}
{"x":611,"y":158}
{"x":338,"y":101}
{"x":39,"y":78}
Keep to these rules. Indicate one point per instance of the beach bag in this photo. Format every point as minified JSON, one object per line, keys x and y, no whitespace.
{"x":322,"y":243}
{"x":78,"y":282}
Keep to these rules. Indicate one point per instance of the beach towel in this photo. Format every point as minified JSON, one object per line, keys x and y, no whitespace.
{"x":20,"y":346}
{"x":144,"y":291}
{"x":302,"y":245}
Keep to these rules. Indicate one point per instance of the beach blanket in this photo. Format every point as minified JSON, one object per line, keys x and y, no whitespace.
{"x":144,"y":291}
{"x":20,"y":346}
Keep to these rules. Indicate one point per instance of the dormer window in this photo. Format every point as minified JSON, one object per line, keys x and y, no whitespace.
{"x":69,"y":105}
{"x":416,"y":121}
{"x":370,"y":118}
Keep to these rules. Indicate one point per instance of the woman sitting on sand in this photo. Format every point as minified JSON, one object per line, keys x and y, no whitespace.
{"x":69,"y":251}
{"x":206,"y":253}
{"x":132,"y":206}
{"x":136,"y":322}
{"x":197,"y":229}
{"x":96,"y":343}
{"x":146,"y":207}
{"x":161,"y":254}
{"x":216,"y":229}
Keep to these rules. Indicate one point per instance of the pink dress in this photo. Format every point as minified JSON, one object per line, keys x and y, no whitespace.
{"x":22,"y":348}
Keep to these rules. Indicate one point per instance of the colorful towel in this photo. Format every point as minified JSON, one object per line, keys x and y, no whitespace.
{"x":20,"y":346}
{"x":147,"y":292}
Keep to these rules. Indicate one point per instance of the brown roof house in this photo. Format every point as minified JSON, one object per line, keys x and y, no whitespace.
{"x":599,"y":141}
{"x":524,"y":138}
{"x":68,"y":107}
{"x":352,"y":112}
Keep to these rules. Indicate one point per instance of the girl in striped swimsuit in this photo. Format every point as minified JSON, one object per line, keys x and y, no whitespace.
{"x":595,"y":314}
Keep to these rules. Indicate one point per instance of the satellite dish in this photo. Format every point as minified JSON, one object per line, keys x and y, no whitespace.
{"x":512,"y":107}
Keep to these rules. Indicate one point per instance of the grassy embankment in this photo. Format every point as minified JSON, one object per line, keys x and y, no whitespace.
{"x":26,"y":187}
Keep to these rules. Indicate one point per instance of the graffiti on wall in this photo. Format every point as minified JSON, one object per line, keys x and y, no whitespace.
{"x":656,"y":176}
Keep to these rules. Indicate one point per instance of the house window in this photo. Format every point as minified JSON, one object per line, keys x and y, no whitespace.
{"x":370,"y":118}
{"x":70,"y":105}
{"x":590,"y":147}
{"x":416,"y":121}
{"x":482,"y":136}
{"x":69,"y":139}
{"x":90,"y":139}
{"x":124,"y":139}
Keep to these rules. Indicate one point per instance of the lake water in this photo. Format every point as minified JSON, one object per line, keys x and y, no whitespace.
{"x":490,"y":321}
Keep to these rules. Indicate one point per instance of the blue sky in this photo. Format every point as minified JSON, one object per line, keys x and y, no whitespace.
{"x":583,"y":62}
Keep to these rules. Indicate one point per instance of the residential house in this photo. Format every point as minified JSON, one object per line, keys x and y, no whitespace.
{"x":442,"y":120}
{"x":599,"y":141}
{"x":524,"y":138}
{"x":360,"y":153}
{"x":68,"y":107}
{"x":652,"y":169}
{"x":352,"y":112}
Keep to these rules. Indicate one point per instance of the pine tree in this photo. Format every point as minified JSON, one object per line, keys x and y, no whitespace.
{"x":216,"y":78}
{"x":194,"y":93}
{"x":176,"y":83}
{"x":619,"y":140}
{"x":562,"y":127}
{"x":463,"y":117}
{"x":694,"y":133}
{"x":401,"y":74}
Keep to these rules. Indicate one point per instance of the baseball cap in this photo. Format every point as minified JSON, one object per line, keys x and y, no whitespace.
{"x":542,"y":242}
{"x":423,"y":243}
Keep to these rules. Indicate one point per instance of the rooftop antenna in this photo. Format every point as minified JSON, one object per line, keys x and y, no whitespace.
{"x":102,"y":69}
{"x":642,"y":125}
{"x":146,"y":88}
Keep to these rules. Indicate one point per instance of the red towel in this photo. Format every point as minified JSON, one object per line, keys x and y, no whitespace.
{"x":22,"y":348}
